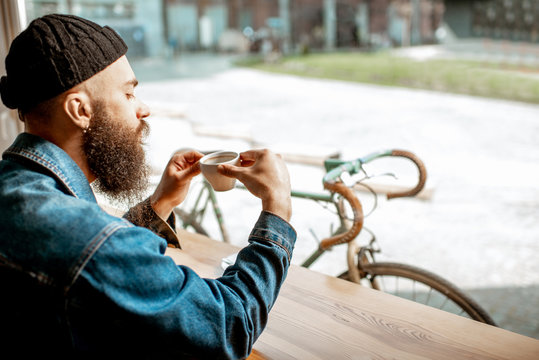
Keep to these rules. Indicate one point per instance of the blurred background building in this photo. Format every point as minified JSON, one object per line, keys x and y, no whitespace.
{"x":152,"y":27}
{"x":155,"y":27}
{"x":516,"y":20}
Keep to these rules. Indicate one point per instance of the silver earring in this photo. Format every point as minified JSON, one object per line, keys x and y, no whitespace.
{"x":84,"y":131}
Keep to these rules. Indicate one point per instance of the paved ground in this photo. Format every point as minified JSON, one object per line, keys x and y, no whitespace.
{"x":480,"y":228}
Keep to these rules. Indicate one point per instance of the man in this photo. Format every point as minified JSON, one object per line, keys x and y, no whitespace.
{"x":77,"y":281}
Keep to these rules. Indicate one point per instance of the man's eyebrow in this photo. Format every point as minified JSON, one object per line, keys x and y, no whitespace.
{"x":132,"y":82}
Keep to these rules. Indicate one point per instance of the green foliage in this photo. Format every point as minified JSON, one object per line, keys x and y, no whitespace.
{"x":486,"y":79}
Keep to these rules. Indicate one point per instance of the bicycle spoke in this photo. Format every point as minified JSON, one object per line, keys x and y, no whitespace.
{"x":428,"y":296}
{"x":443,"y":304}
{"x":425,"y":288}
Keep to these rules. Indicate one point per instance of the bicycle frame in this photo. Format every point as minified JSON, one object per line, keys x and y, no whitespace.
{"x":328,"y":198}
{"x":197,"y":212}
{"x":362,"y":267}
{"x":334,"y":169}
{"x":207,"y":195}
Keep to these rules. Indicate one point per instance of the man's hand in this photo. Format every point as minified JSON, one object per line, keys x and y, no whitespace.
{"x":172,"y":188}
{"x":265,"y":175}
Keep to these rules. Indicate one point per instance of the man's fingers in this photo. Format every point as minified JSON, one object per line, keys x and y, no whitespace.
{"x":190,"y":156}
{"x":193,"y":170}
{"x":247,"y":163}
{"x":229,"y":171}
{"x":250,"y":155}
{"x":186,"y":159}
{"x":248,"y":158}
{"x":193,"y":156}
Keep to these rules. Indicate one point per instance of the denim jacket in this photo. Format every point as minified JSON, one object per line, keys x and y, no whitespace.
{"x":77,"y":281}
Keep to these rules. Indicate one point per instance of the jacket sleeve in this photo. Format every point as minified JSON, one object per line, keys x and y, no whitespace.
{"x":180,"y":312}
{"x":144,"y":215}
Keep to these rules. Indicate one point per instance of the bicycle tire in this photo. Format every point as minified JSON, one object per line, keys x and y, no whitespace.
{"x":188,"y":221}
{"x":463,"y":302}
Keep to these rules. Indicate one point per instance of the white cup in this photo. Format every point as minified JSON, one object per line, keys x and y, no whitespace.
{"x":208,"y":167}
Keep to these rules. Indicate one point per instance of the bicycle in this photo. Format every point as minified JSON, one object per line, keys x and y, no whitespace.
{"x":340,"y":180}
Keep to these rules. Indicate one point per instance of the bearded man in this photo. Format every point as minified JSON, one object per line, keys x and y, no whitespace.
{"x":78,"y":281}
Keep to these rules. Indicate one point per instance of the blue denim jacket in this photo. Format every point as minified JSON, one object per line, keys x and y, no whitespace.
{"x":78,"y":281}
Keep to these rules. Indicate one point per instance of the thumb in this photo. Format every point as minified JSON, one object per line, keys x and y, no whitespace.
{"x":229,"y":170}
{"x":192,"y":170}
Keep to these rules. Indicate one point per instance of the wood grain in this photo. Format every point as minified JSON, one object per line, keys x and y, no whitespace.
{"x":321,"y":317}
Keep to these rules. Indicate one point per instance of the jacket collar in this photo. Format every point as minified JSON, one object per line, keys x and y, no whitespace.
{"x":55,"y":160}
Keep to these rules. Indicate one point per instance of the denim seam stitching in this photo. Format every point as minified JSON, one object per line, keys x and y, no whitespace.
{"x":90,"y":250}
{"x":285,"y":221}
{"x":270,"y":235}
{"x":43,"y":162}
{"x":274,"y":242}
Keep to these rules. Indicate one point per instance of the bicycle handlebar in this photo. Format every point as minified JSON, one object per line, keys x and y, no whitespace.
{"x":334,"y":170}
{"x":357,"y":210}
{"x":422,"y":175}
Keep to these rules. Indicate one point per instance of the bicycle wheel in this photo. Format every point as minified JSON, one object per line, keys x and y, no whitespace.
{"x":421,"y":286}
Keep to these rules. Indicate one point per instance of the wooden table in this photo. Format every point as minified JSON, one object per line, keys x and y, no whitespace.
{"x":321,"y":317}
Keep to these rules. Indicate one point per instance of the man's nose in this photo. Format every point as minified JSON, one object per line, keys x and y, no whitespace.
{"x":143,"y":110}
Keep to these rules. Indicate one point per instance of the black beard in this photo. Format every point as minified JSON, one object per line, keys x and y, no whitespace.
{"x":116,"y":157}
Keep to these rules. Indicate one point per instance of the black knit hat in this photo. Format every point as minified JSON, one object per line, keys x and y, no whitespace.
{"x":55,"y":53}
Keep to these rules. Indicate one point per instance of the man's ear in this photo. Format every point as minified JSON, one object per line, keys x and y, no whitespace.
{"x":78,"y":108}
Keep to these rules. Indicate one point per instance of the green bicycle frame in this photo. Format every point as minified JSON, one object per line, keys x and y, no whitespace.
{"x":329,"y":198}
{"x":200,"y":210}
{"x":334,"y":168}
